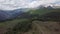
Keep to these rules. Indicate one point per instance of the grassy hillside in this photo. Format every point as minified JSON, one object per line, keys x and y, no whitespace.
{"x":9,"y":25}
{"x":32,"y":22}
{"x":45,"y":14}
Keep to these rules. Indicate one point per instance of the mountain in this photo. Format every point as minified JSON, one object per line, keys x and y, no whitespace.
{"x":7,"y":14}
{"x":4,"y":15}
{"x":49,"y":7}
{"x":44,"y":7}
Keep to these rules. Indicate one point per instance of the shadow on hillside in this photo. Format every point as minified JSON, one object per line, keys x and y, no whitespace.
{"x":52,"y":16}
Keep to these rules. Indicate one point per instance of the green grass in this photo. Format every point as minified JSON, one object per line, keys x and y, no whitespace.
{"x":43,"y":11}
{"x":40,"y":11}
{"x":12,"y":23}
{"x":16,"y":24}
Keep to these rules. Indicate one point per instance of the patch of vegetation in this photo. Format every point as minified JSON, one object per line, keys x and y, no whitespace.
{"x":22,"y":26}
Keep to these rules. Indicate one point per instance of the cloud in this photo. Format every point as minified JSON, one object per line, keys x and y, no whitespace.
{"x":15,"y":4}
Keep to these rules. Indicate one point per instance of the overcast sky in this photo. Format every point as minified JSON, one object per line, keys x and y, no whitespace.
{"x":16,"y":4}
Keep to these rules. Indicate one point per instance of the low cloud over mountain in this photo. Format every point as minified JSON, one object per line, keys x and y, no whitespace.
{"x":16,"y":4}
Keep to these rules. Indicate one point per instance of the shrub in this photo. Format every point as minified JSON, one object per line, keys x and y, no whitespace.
{"x":22,"y":26}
